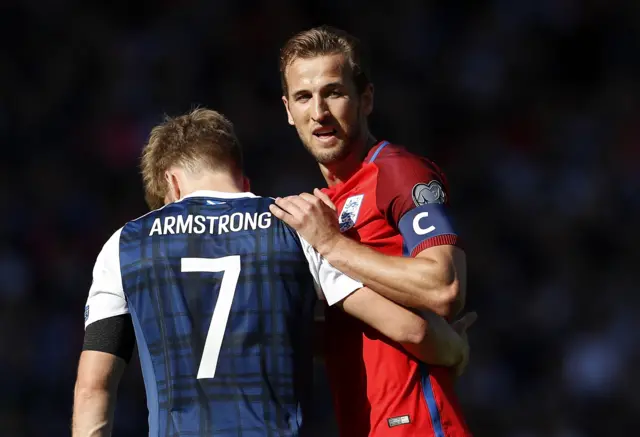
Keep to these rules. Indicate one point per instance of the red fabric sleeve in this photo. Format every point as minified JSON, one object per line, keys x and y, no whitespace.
{"x":406,"y":181}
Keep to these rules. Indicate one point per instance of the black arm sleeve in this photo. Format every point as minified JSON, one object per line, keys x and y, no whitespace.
{"x":113,"y":335}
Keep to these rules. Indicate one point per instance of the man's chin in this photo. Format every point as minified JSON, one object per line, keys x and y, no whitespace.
{"x":326,"y":157}
{"x":327,"y":154}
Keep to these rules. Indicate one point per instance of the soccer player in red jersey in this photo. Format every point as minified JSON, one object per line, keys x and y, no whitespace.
{"x":392,"y":233}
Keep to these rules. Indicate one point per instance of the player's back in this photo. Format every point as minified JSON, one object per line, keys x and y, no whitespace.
{"x":221,"y":298}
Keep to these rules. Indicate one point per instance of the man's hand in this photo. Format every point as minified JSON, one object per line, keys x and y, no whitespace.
{"x":326,"y":199}
{"x":313,"y":217}
{"x":461,"y":326}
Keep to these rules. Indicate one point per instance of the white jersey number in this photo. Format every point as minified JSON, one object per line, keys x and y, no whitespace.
{"x":230,"y":266}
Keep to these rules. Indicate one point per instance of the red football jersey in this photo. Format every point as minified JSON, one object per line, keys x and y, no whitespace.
{"x":395,"y":203}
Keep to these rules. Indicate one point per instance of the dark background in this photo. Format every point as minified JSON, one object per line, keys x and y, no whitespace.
{"x":530,"y":107}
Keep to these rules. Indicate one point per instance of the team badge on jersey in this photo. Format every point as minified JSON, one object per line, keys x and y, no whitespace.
{"x":350,"y":211}
{"x":428,"y":193}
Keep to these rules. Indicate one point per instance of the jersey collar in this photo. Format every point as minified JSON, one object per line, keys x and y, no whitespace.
{"x":375,"y":151}
{"x":219,"y":194}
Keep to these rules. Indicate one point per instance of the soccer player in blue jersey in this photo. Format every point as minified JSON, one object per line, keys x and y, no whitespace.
{"x":218,"y":295}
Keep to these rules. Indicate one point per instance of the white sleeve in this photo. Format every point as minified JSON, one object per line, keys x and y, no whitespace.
{"x":331,"y":284}
{"x":106,"y":295}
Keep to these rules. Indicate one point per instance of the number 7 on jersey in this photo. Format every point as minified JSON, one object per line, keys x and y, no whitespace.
{"x":230,"y":266}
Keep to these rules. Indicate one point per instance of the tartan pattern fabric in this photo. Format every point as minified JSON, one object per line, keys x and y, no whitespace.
{"x":263,"y":379}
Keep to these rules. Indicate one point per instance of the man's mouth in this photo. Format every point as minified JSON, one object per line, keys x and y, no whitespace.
{"x":325,"y":132}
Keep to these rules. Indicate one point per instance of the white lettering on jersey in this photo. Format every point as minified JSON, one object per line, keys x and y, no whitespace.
{"x":184,"y":224}
{"x":197,"y":224}
{"x":156,"y":227}
{"x":199,"y":227}
{"x":222,"y":224}
{"x":169,"y":223}
{"x":349,"y":214}
{"x":419,"y":230}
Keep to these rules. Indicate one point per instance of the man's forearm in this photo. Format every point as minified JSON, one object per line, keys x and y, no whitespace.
{"x":429,"y":338}
{"x":442,"y":346}
{"x":93,"y":413}
{"x":419,"y":283}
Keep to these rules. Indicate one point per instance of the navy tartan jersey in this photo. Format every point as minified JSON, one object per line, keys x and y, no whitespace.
{"x":221,"y":274}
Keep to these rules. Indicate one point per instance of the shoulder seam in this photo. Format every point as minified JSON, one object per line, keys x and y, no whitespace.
{"x":378,"y":150}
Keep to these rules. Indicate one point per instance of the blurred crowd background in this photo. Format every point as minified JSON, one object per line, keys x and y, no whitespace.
{"x":531,"y":107}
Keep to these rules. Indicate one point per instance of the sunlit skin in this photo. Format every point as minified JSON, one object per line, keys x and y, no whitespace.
{"x":329,"y":114}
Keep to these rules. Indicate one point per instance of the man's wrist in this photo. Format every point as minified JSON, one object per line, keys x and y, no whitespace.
{"x":331,"y":247}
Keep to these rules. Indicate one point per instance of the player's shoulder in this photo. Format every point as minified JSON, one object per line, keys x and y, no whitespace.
{"x":194,"y":203}
{"x":110,"y":249}
{"x":387,"y":154}
{"x":138,"y":222}
{"x":402,"y":171}
{"x":396,"y":163}
{"x":386,"y":150}
{"x":228,"y":200}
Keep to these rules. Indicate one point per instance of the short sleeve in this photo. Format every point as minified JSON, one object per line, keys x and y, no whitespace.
{"x":331,"y":284}
{"x":412,"y":193}
{"x":106,"y":295}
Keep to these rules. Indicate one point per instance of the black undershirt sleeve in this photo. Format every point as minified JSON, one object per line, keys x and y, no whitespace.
{"x":113,"y":335}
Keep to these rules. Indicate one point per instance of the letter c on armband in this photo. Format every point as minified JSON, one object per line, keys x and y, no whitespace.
{"x":419,"y":230}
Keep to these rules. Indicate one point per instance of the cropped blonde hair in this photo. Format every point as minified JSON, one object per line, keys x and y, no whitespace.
{"x":202,"y":137}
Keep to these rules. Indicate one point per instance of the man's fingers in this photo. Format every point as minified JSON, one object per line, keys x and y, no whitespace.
{"x":300,"y":204}
{"x":309,"y":198}
{"x":465,"y":322}
{"x":460,"y":368}
{"x":326,"y":199}
{"x":317,"y":203}
{"x":470,"y":318}
{"x":289,"y":205}
{"x":280,"y":213}
{"x":290,"y":208}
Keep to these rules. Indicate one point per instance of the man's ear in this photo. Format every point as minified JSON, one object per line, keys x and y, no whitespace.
{"x":366,"y":100}
{"x":286,"y":107}
{"x":174,"y":193}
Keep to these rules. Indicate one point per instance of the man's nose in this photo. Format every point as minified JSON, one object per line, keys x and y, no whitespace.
{"x":320,"y":110}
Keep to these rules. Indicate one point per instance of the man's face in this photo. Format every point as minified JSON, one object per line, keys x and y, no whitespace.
{"x":325,"y":106}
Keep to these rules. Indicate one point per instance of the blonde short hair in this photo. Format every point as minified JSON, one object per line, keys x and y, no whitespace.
{"x":202,"y":137}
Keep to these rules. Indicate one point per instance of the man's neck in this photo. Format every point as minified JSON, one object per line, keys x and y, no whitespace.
{"x":214,"y":182}
{"x":339,"y":172}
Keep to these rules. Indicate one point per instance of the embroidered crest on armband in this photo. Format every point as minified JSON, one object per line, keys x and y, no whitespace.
{"x":349,"y":213}
{"x":428,"y":193}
